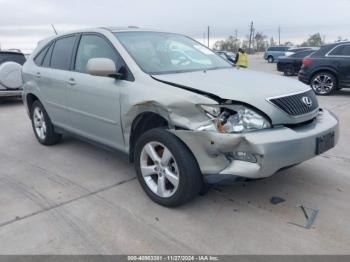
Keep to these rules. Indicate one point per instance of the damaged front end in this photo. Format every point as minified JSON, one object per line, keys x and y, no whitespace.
{"x":234,"y":139}
{"x":256,"y":153}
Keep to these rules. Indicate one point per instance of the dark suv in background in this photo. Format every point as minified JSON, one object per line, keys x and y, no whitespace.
{"x":328,"y":69}
{"x":290,"y":65}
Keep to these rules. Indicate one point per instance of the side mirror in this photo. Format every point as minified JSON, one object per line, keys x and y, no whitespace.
{"x":102,"y":67}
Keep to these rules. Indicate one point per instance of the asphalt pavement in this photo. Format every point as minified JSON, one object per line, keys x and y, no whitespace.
{"x":75,"y":198}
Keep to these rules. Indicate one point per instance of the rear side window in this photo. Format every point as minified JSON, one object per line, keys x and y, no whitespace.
{"x":346,"y":50}
{"x":342,"y":50}
{"x":62,"y":53}
{"x":282,"y":48}
{"x":39,"y":58}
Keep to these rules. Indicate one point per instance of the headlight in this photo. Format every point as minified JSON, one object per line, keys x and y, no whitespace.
{"x":235,"y":118}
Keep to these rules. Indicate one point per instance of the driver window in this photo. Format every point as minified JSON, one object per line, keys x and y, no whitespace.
{"x":92,"y":46}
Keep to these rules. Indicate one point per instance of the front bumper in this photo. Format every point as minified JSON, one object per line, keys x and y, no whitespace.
{"x":274,"y":149}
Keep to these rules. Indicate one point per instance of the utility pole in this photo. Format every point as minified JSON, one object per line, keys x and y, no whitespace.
{"x":279,"y":35}
{"x":208,"y":36}
{"x":251,"y":36}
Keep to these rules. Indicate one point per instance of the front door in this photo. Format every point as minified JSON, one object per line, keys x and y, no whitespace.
{"x":93,"y":101}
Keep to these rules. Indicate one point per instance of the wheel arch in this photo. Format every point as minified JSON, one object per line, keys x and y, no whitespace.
{"x":325,"y":69}
{"x":30,"y":98}
{"x":143,"y":122}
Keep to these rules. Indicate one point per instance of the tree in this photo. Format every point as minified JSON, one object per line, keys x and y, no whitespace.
{"x":288,"y":43}
{"x":272,"y":42}
{"x":230,"y":44}
{"x":314,"y":40}
{"x":260,"y":43}
{"x":340,"y":39}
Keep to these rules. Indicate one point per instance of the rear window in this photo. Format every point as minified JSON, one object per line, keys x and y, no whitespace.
{"x":62,"y":53}
{"x":12,"y":57}
{"x":47,"y":58}
{"x":302,"y":54}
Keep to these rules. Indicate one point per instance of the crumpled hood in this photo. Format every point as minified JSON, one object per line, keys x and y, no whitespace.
{"x":242,"y":85}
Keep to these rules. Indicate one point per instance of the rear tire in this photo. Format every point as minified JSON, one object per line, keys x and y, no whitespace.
{"x":42,"y":126}
{"x":289,"y":70}
{"x":270,"y":59}
{"x":324,"y":83}
{"x":166,"y":168}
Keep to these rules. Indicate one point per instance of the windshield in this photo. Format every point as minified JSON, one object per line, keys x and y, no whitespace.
{"x":166,"y":53}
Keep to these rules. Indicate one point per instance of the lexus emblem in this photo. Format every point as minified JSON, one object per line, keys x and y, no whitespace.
{"x":307,"y":101}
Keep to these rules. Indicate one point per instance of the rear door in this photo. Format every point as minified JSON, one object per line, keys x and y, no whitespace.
{"x":53,"y":78}
{"x":340,"y":58}
{"x":93,"y":101}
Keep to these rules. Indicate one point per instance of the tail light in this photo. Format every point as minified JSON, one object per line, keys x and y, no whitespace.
{"x":307,"y":61}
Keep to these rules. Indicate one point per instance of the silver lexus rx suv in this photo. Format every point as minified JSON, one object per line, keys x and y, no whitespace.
{"x":181,"y":113}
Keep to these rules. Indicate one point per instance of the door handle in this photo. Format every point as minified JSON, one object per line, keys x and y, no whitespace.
{"x":71,"y":82}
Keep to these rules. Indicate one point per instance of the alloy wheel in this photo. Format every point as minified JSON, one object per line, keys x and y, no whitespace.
{"x":159,"y":169}
{"x":322,"y":84}
{"x":39,"y":123}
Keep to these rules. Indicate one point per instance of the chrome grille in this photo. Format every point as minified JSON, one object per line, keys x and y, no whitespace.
{"x":294,"y":104}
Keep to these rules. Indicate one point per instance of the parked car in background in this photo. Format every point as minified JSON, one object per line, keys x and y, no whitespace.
{"x":290,"y":65}
{"x":181,"y":123}
{"x":229,"y":56}
{"x":328,"y":69}
{"x":292,"y":51}
{"x":10,"y":73}
{"x":272,"y":53}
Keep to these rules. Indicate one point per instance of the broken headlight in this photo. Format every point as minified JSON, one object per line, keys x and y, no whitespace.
{"x":235,"y":118}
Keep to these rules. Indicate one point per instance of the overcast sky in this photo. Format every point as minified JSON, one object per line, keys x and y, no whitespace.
{"x":23,"y":23}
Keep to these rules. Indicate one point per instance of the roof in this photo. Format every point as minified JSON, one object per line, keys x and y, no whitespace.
{"x":129,"y":29}
{"x":337,"y":43}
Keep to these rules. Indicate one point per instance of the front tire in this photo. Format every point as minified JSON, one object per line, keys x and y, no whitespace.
{"x":166,"y":169}
{"x":324,"y":83}
{"x":42,"y":126}
{"x":270,"y":59}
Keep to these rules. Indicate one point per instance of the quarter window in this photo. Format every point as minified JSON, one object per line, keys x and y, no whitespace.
{"x":93,"y":46}
{"x":47,"y":58}
{"x":39,"y":58}
{"x":62,"y":53}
